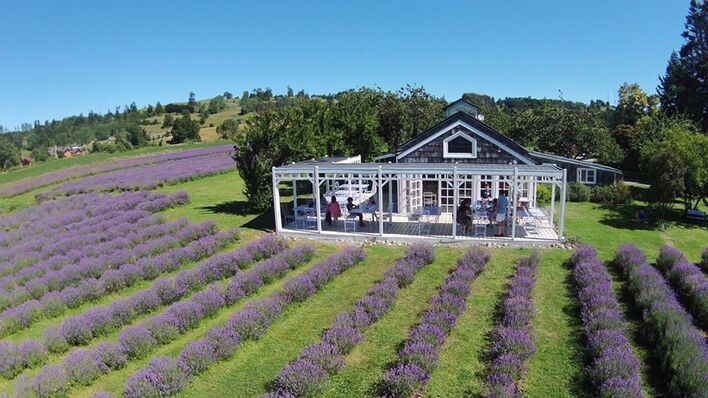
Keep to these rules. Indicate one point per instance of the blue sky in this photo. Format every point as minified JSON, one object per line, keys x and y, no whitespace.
{"x":62,"y":58}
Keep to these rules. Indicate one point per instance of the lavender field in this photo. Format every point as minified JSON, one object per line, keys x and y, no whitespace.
{"x":137,"y":281}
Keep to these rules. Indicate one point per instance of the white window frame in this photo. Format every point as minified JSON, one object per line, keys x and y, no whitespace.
{"x":455,"y":155}
{"x":587,"y":179}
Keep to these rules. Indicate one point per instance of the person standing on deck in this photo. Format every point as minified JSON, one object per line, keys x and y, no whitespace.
{"x":502,"y":204}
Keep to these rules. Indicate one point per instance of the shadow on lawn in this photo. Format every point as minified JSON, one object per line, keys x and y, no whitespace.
{"x":623,"y":217}
{"x":263,"y":221}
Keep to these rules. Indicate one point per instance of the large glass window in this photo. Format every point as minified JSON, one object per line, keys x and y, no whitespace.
{"x":587,"y":176}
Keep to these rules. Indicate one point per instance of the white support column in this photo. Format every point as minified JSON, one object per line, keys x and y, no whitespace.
{"x":455,"y":197}
{"x":515,"y":202}
{"x":553,"y":202}
{"x":390,"y":199}
{"x":380,"y":202}
{"x":561,"y":220}
{"x":294,"y":194}
{"x":276,"y":204}
{"x":316,"y":192}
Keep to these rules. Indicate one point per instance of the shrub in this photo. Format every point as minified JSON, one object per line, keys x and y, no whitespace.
{"x":83,"y":366}
{"x":403,"y":380}
{"x":299,"y":288}
{"x":543,"y":194}
{"x":54,"y":340}
{"x":224,"y":341}
{"x":10,"y":363}
{"x":162,"y":327}
{"x":422,"y":354}
{"x":32,"y":353}
{"x":578,"y":192}
{"x":196,"y":357}
{"x":168,"y":290}
{"x":324,"y":355}
{"x":51,"y":382}
{"x":300,"y":378}
{"x":343,"y":338}
{"x":248,"y":324}
{"x":110,"y":355}
{"x":162,"y":377}
{"x":76,"y":330}
{"x":210,"y":301}
{"x":122,"y":312}
{"x":144,"y":301}
{"x":52,"y":305}
{"x":136,"y":342}
{"x":187,"y":315}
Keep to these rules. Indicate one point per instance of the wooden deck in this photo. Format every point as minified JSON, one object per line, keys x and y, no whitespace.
{"x":435,"y":228}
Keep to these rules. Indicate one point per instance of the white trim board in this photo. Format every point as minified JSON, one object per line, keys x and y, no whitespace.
{"x":472,"y":129}
{"x":576,"y":162}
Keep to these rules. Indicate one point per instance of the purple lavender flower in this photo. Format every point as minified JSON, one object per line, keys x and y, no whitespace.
{"x":136,"y":342}
{"x":162,"y":377}
{"x":422,"y":354}
{"x":210,"y":301}
{"x":52,"y":381}
{"x":324,"y":355}
{"x":10,"y":362}
{"x":299,"y":288}
{"x":343,"y":338}
{"x":162,"y":327}
{"x":224,"y":341}
{"x":83,"y":366}
{"x":110,"y":355}
{"x":32,"y":353}
{"x":187,"y":314}
{"x":403,"y":380}
{"x":301,"y":378}
{"x":54,"y":340}
{"x":197,"y":356}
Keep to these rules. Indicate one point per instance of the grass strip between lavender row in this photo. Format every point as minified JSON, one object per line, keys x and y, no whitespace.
{"x":185,"y":316}
{"x":305,"y":375}
{"x":165,"y":376}
{"x":679,"y":345}
{"x":99,"y":321}
{"x":687,"y":280}
{"x":420,"y":353}
{"x":512,"y":339}
{"x":614,"y":369}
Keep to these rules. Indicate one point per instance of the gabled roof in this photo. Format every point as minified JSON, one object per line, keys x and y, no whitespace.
{"x":584,"y":163}
{"x":473,"y":124}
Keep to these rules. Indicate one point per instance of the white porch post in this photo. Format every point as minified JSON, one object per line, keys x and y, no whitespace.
{"x":380,"y":202}
{"x":390,"y":199}
{"x":294,"y":193}
{"x":553,"y":202}
{"x":316,"y":192}
{"x":562,"y":204}
{"x":454,"y":200}
{"x":276,"y":204}
{"x":515,"y":202}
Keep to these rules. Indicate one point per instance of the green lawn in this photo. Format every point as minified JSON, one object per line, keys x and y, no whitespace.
{"x":556,"y":370}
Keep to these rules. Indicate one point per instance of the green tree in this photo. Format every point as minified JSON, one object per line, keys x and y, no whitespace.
{"x":149,"y":110}
{"x":229,"y":130}
{"x":40,"y":154}
{"x":227,"y":95}
{"x":633,"y":104}
{"x":677,"y":167}
{"x":185,"y":129}
{"x":684,"y":87}
{"x":159,"y":109}
{"x":169,"y":121}
{"x":192,"y":98}
{"x":9,"y":155}
{"x":136,"y":135}
{"x":355,"y":118}
{"x":217,"y":104}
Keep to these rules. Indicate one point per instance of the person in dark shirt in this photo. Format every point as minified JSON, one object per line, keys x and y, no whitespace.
{"x":350,"y":206}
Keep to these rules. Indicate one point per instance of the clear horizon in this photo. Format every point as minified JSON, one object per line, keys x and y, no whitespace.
{"x":69,"y":58}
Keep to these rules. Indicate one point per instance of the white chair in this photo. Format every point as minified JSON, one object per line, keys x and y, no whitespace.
{"x":480,"y":230}
{"x":349,"y":220}
{"x":424,"y":223}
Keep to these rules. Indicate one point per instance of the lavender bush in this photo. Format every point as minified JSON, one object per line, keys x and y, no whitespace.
{"x":304,"y":376}
{"x":512,"y":337}
{"x":679,"y":344}
{"x":612,"y":361}
{"x":162,"y":377}
{"x":420,"y":352}
{"x":136,"y":342}
{"x":51,"y":382}
{"x":687,"y":280}
{"x":83,"y":366}
{"x":222,"y":341}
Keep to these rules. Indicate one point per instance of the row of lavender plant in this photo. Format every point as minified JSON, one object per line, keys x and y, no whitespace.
{"x":99,"y":321}
{"x":687,"y":280}
{"x":34,"y":281}
{"x":42,"y":221}
{"x":421,"y":350}
{"x":29,"y":251}
{"x":90,"y":289}
{"x":29,"y":184}
{"x":71,"y":247}
{"x":166,"y":376}
{"x":680,"y":346}
{"x":82,"y":367}
{"x":144,"y":177}
{"x":614,"y":369}
{"x":512,"y":337}
{"x":306,"y":374}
